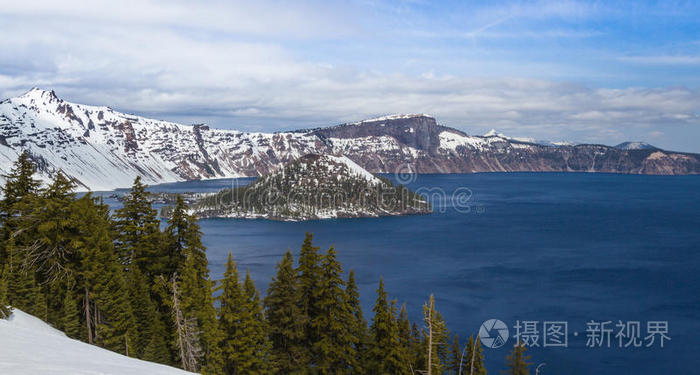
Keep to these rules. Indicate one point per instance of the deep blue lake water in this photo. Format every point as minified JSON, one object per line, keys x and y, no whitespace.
{"x":532,"y":247}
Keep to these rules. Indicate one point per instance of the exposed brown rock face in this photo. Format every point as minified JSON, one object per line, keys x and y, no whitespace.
{"x":416,"y":142}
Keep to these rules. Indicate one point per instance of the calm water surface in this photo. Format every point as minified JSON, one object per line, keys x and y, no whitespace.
{"x":537,"y":247}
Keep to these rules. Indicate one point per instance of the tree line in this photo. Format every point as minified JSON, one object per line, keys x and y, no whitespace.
{"x":122,"y":281}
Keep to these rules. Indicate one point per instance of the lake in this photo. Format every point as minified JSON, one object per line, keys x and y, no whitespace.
{"x":574,"y":248}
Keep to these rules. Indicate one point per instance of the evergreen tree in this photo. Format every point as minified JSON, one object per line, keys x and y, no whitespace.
{"x":285,"y":319}
{"x":474,"y":351}
{"x":254,"y":330}
{"x":309,"y":271}
{"x":150,"y":329}
{"x":156,"y":349}
{"x":408,"y":345}
{"x":51,"y":251}
{"x":23,"y":290}
{"x":139,"y":238}
{"x":385,"y":354}
{"x":358,"y":326}
{"x":517,"y":361}
{"x":197,"y":303}
{"x":211,"y":335}
{"x":334,"y":351}
{"x":454,"y":363}
{"x":418,"y":346}
{"x":230,"y":311}
{"x":19,"y":198}
{"x":70,"y":317}
{"x":17,"y":233}
{"x":5,"y":309}
{"x":115,"y":327}
{"x":245,"y":346}
{"x":177,"y":233}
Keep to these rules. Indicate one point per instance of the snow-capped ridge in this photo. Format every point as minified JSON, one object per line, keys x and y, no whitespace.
{"x":393,"y":117}
{"x":635,"y":145}
{"x":104,"y":149}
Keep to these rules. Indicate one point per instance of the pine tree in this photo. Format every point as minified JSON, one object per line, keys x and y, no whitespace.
{"x":358,"y":327}
{"x":473,"y":353}
{"x":309,"y":271}
{"x":285,"y":319}
{"x":254,"y":331}
{"x":115,"y":327}
{"x":156,"y":349}
{"x":517,"y":361}
{"x":453,"y":363}
{"x":211,"y":335}
{"x":418,"y":354}
{"x":23,"y":290}
{"x":70,"y":316}
{"x":197,"y":303}
{"x":177,"y":232}
{"x":334,"y":351}
{"x":51,"y":251}
{"x":139,"y":239}
{"x":19,"y":195}
{"x":150,"y":329}
{"x":385,"y":354}
{"x":245,"y":345}
{"x":230,"y":311}
{"x":406,"y":340}
{"x":19,"y":201}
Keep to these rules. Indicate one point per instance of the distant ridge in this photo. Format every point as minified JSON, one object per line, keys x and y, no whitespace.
{"x":104,"y":149}
{"x":636,"y":146}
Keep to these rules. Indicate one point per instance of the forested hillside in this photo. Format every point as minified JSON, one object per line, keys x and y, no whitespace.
{"x":116,"y":280}
{"x":313,"y":187}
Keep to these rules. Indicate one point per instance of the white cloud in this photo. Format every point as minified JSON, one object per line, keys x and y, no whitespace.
{"x":233,"y":65}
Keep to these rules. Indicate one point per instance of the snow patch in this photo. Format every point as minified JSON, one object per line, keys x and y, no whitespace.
{"x":354,"y":168}
{"x":30,"y":347}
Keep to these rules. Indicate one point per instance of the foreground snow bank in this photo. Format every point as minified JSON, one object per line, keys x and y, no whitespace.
{"x":30,"y":346}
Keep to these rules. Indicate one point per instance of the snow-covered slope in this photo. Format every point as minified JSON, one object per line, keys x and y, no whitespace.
{"x":104,"y":149}
{"x":28,"y":346}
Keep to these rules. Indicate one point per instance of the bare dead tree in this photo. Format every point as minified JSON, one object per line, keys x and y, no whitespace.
{"x":429,"y":322}
{"x":41,"y":255}
{"x":476,"y":344}
{"x":187,"y":333}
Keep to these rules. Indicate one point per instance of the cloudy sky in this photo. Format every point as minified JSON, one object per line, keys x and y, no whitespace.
{"x":599,"y":72}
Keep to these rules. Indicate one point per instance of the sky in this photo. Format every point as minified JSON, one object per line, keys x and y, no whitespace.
{"x":593,"y":72}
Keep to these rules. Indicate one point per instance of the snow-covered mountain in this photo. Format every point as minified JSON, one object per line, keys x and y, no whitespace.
{"x":494,"y":133}
{"x":636,"y":146}
{"x":104,"y":149}
{"x":313,"y":187}
{"x":31,"y":347}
